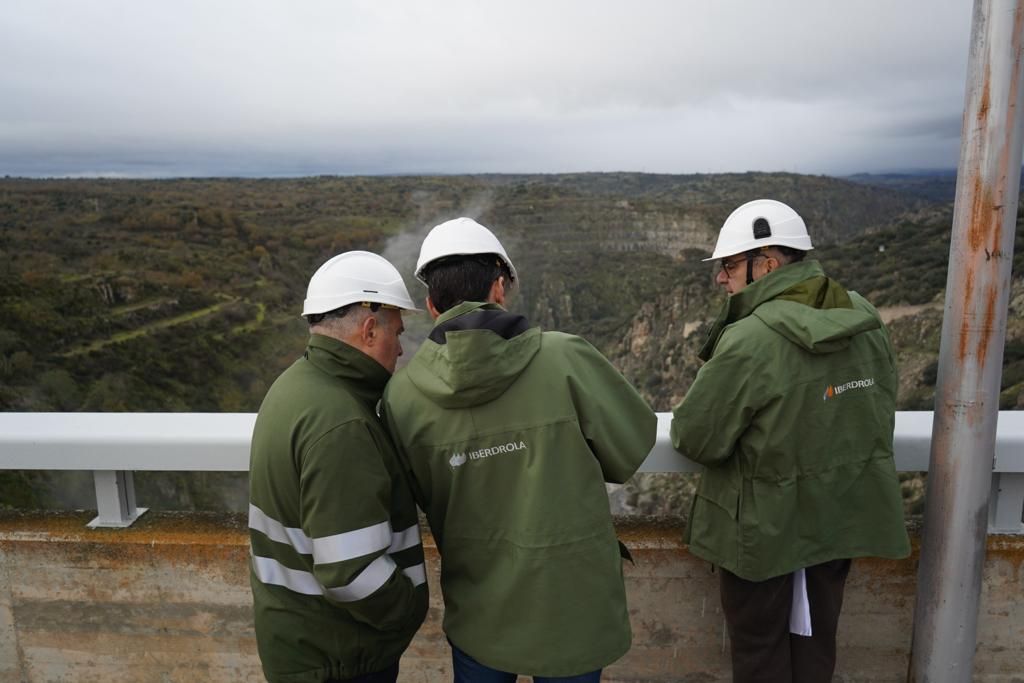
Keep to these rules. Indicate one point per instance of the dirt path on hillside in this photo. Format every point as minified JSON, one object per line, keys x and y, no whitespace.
{"x":146,"y":329}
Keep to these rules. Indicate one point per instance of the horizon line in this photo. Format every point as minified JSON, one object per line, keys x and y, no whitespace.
{"x":116,"y":175}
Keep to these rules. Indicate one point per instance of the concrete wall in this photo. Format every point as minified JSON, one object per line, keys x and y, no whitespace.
{"x":168,"y":600}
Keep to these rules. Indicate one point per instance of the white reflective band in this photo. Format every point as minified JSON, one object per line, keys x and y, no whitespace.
{"x":351,"y":544}
{"x":369,"y":580}
{"x":339,"y":547}
{"x":417,"y":574}
{"x":276,"y":531}
{"x":269,"y":570}
{"x":405,"y":539}
{"x":373,"y":576}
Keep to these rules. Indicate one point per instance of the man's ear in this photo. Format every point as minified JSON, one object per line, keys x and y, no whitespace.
{"x":368,"y":331}
{"x":497,"y":293}
{"x":434,"y":313}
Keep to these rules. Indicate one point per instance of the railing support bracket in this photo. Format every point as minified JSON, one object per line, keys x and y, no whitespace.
{"x":1007,"y":503}
{"x":115,"y":499}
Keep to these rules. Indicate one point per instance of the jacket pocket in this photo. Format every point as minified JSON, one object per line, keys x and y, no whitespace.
{"x":719,"y":486}
{"x":712,"y":530}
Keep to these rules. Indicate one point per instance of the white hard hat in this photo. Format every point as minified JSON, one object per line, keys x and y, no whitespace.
{"x":761,"y":223}
{"x":460,"y":236}
{"x":353,"y":277}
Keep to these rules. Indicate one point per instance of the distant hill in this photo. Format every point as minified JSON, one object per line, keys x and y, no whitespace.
{"x":173,"y":294}
{"x":936,"y":186}
{"x":184,"y":295}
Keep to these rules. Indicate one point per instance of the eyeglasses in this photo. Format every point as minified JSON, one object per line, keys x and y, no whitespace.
{"x":729,"y":266}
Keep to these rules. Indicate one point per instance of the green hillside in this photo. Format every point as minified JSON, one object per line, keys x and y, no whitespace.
{"x":183,"y":295}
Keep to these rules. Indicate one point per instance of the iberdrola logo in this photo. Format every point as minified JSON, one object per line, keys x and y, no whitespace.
{"x":459,"y":459}
{"x":833,"y":390}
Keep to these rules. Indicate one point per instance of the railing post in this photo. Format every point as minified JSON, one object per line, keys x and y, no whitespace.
{"x":971,"y":350}
{"x":1007,"y":505}
{"x":115,"y":499}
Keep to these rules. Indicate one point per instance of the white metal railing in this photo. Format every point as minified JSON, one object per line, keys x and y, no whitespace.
{"x":113,"y":445}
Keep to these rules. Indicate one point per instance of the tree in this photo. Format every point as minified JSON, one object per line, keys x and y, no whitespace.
{"x":60,"y":388}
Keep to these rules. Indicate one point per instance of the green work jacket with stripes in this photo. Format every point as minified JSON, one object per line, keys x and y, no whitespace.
{"x":793,"y":417}
{"x":337,"y":572}
{"x":510,"y":435}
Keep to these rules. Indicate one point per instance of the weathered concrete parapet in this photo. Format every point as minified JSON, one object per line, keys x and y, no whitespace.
{"x":168,"y":600}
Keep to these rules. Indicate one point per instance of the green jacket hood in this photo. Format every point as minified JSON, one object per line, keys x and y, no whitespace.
{"x":473,"y":354}
{"x":803,"y":305}
{"x":365,"y":376}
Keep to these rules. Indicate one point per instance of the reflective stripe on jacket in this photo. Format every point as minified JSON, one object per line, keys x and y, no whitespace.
{"x":337,"y":567}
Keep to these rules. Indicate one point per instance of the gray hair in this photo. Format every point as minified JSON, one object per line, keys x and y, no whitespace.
{"x":343,"y":323}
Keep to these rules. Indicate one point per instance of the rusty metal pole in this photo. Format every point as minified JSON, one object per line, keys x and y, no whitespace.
{"x":971,"y":350}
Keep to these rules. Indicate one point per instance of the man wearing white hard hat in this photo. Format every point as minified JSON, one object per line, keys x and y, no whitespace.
{"x":337,"y":572}
{"x":510,"y":434}
{"x":792,"y":416}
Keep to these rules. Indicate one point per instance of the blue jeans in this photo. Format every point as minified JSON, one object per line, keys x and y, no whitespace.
{"x":468,"y":670}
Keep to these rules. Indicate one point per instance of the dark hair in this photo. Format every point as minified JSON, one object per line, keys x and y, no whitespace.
{"x":791,"y":255}
{"x":455,"y":279}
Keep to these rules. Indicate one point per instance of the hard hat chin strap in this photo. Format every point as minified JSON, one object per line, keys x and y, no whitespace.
{"x":762,"y":229}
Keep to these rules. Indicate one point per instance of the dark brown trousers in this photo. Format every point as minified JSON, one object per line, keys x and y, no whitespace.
{"x":757,"y":615}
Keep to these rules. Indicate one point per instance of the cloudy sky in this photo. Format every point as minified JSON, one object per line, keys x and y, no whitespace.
{"x":146,"y":88}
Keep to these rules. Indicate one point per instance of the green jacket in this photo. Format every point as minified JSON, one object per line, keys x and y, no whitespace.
{"x":793,"y":417}
{"x":337,"y":571}
{"x":510,"y":435}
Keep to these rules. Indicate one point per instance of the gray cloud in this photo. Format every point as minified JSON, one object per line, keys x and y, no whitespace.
{"x":269,"y":88}
{"x":939,"y":128}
